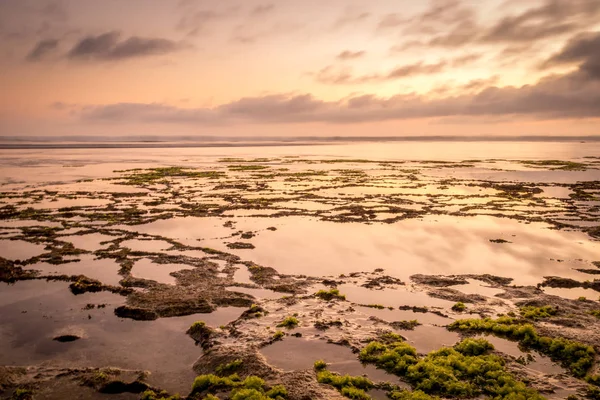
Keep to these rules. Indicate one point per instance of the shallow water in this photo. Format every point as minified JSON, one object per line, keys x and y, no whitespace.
{"x":478,"y":287}
{"x":351,"y":217}
{"x":33,"y":312}
{"x":258,"y":293}
{"x":404,"y":315}
{"x":19,"y":249}
{"x":151,"y":246}
{"x":541,"y":363}
{"x":146,"y":269}
{"x":426,"y":338}
{"x":435,"y":245}
{"x":89,"y":242}
{"x":64,"y":203}
{"x":297,"y":354}
{"x":242,"y":275}
{"x":24,"y":223}
{"x":573,"y":293}
{"x":391,"y":297}
{"x":104,"y":270}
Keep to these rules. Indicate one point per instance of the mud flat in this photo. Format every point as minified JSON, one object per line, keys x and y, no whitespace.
{"x":302,"y":277}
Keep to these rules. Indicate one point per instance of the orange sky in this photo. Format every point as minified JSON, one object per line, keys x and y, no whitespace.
{"x":290,"y":67}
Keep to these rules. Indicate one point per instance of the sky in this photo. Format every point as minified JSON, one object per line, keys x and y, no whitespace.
{"x":299,"y":67}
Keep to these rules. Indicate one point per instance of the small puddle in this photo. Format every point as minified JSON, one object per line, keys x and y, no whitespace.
{"x":151,"y":246}
{"x":293,"y":354}
{"x":257,"y":293}
{"x":161,"y":273}
{"x":242,"y":275}
{"x":28,"y":223}
{"x":63,"y":203}
{"x":404,"y":315}
{"x":187,"y":230}
{"x":391,"y":297}
{"x":103,"y":269}
{"x":572,"y":293}
{"x":477,"y":287}
{"x":541,"y":363}
{"x":427,"y":338}
{"x":89,"y":242}
{"x":19,"y":249}
{"x":221,"y":316}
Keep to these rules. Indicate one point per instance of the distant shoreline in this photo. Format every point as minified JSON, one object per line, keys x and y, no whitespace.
{"x":63,"y":142}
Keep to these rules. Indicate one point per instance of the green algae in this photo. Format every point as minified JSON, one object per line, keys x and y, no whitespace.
{"x":229,"y":368}
{"x":289,"y":323}
{"x":465,"y":371}
{"x":557,"y":165}
{"x":575,"y":356}
{"x":537,"y":313}
{"x":329,"y":295}
{"x":155,"y":175}
{"x":251,"y":388}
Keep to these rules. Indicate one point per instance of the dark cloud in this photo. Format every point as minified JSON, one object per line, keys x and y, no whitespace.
{"x":31,"y":19}
{"x":350,"y":55}
{"x":574,"y":95}
{"x":42,"y":49}
{"x":453,"y":23}
{"x":448,"y":23}
{"x":583,"y":49}
{"x":479,"y":84}
{"x":416,"y":69}
{"x":152,"y":112}
{"x":109,"y":47}
{"x":552,"y":18}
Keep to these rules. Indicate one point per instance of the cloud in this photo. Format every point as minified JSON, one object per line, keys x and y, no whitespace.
{"x":251,"y":33}
{"x":262,"y":9}
{"x":554,"y":17}
{"x":350,"y":55}
{"x":415,"y":69}
{"x":56,"y":10}
{"x":451,"y":23}
{"x":149,"y":113}
{"x":42,"y":49}
{"x":464,"y":60}
{"x":30,"y":19}
{"x":108,"y":47}
{"x":480,"y":84}
{"x":583,"y":49}
{"x":351,"y":18}
{"x":196,"y":22}
{"x":389,"y":21}
{"x":574,"y":95}
{"x":461,"y":34}
{"x":343,"y":76}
